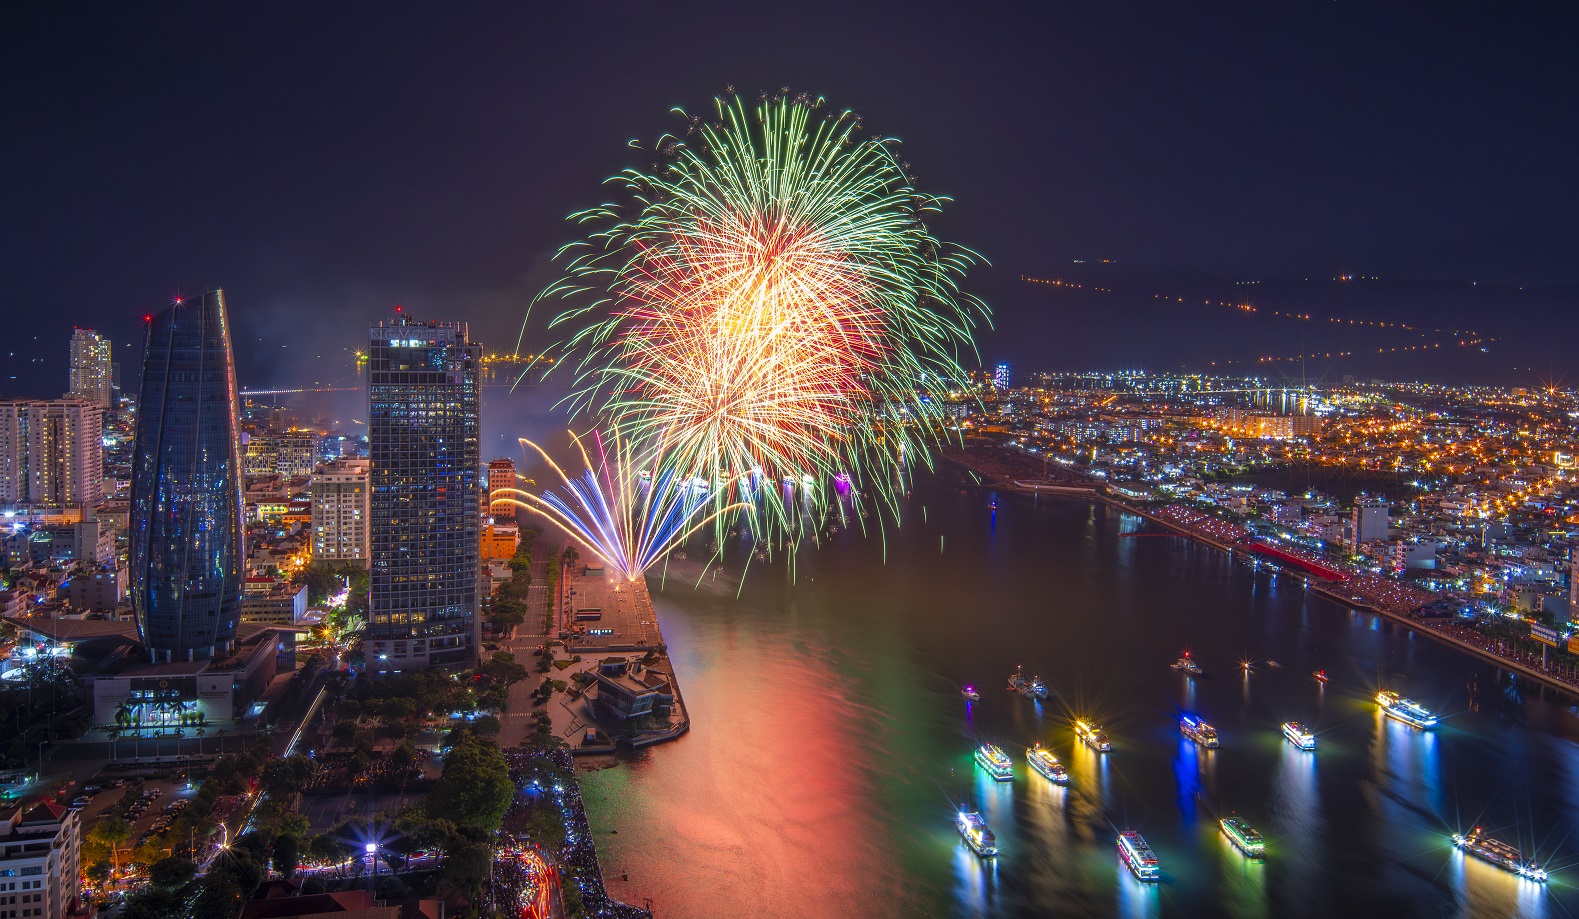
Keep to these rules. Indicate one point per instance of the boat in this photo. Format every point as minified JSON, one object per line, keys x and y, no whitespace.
{"x":1299,"y":735}
{"x":1187,"y":665}
{"x":976,"y":833}
{"x":1198,"y":731}
{"x":1406,"y":710}
{"x":1245,"y":837}
{"x":1273,"y":663}
{"x":1499,"y":853}
{"x":996,"y":762}
{"x":1043,"y":761}
{"x":1033,"y":688}
{"x":1138,"y":856}
{"x":970,"y":693}
{"x":1320,"y":675}
{"x":1092,"y":735}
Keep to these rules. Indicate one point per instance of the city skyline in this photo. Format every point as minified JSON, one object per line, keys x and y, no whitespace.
{"x":896,"y":461}
{"x":1285,"y":160}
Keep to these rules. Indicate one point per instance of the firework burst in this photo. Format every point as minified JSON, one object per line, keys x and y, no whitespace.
{"x":769,"y":305}
{"x":628,"y":514}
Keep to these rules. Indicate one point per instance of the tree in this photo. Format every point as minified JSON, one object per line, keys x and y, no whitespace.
{"x":404,"y":756}
{"x":328,"y":847}
{"x":155,"y":903}
{"x":475,"y":788}
{"x":348,"y":710}
{"x":287,"y":852}
{"x":285,"y":777}
{"x":172,"y":872}
{"x":111,"y":831}
{"x":467,"y":867}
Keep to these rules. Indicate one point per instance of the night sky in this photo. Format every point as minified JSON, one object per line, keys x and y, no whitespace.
{"x":324,"y":162}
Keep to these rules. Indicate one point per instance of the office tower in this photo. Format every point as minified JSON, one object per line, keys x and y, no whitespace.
{"x":1000,"y":378}
{"x":92,"y":372}
{"x":341,"y":512}
{"x":185,"y":516}
{"x":423,"y":440}
{"x":501,"y":474}
{"x":51,"y":453}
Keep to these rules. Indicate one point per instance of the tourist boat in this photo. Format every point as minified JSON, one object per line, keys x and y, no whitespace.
{"x":976,"y":833}
{"x":1092,"y":735}
{"x":1320,"y":675}
{"x":1033,"y":688}
{"x":1406,"y":710}
{"x":1500,"y":854}
{"x":1245,"y":837}
{"x":996,"y":762}
{"x":1138,"y":856}
{"x":1299,"y":736}
{"x":1043,"y":761}
{"x":970,"y":693}
{"x":1198,"y":731}
{"x":1187,"y":665}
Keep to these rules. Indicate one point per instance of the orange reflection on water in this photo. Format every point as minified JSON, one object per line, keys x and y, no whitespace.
{"x":756,"y":809}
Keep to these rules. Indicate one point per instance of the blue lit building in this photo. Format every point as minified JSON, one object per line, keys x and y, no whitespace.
{"x":423,"y":434}
{"x":185,"y":514}
{"x":1000,"y":378}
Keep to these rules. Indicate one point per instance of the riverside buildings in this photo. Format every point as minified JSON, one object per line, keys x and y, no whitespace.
{"x":424,"y":443}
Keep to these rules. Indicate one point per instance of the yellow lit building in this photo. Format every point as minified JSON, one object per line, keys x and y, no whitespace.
{"x":499,"y":541}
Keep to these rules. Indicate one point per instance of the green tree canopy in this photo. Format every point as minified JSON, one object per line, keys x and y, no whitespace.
{"x":475,"y":788}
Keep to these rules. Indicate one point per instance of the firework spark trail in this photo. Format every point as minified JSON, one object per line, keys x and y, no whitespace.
{"x":609,"y":511}
{"x":768,"y":299}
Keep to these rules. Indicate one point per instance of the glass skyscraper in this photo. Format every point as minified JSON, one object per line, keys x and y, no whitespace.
{"x":424,"y":441}
{"x":185,"y":516}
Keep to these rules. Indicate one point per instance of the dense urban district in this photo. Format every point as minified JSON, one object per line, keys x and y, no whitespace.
{"x":1452,"y":509}
{"x":258,"y":663}
{"x":259,"y":666}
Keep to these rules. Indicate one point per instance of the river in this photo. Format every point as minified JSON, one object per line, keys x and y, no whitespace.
{"x":830,"y":745}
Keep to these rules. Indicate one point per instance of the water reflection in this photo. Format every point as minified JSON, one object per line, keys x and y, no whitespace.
{"x":1488,"y":892}
{"x":1243,"y":883}
{"x":828,"y":754}
{"x":976,"y":887}
{"x":1296,"y":815}
{"x":1136,"y":898}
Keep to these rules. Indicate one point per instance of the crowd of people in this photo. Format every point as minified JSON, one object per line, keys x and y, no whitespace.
{"x":1388,"y":594}
{"x":577,"y":859}
{"x":1524,"y":652}
{"x":1212,"y":528}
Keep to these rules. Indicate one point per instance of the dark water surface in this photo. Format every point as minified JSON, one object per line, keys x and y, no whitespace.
{"x":831,"y":747}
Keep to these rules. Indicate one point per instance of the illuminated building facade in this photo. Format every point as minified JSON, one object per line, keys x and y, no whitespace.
{"x":51,"y":453}
{"x":341,"y":513}
{"x":501,"y":474}
{"x":423,"y":435}
{"x":92,"y":371}
{"x":1000,"y":378}
{"x":185,"y":516}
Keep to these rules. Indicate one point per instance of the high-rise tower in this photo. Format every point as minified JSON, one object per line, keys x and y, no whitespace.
{"x":501,"y":474}
{"x":424,"y":442}
{"x":185,"y":517}
{"x":92,"y":371}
